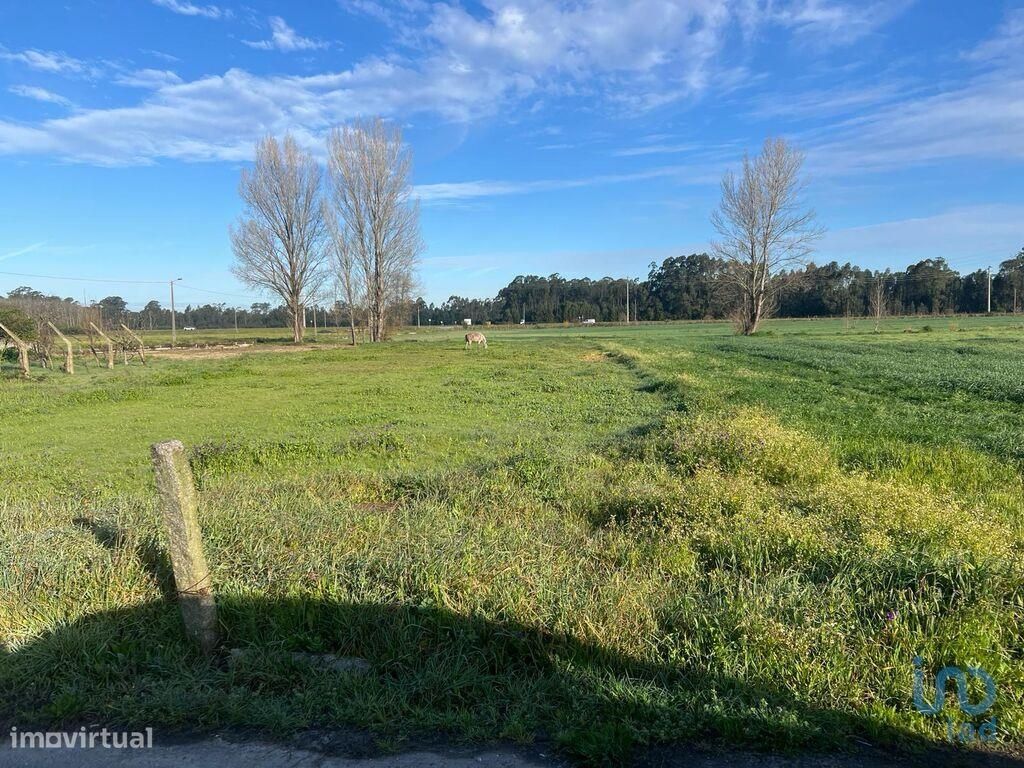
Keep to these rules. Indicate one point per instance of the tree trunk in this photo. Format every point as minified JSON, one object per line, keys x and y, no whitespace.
{"x":297,"y":329}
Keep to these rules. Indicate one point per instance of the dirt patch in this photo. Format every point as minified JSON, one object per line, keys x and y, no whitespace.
{"x":221,"y":352}
{"x":594,"y":357}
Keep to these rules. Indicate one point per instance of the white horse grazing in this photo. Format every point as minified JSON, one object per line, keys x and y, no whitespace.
{"x":475,"y":337}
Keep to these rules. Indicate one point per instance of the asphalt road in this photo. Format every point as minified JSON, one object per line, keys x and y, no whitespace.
{"x":241,"y":752}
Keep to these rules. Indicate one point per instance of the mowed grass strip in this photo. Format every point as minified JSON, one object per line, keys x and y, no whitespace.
{"x":609,"y":538}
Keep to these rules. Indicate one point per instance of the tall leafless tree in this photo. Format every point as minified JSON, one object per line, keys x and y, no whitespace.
{"x":764,"y":228}
{"x":347,"y":274}
{"x":877,"y":298}
{"x":371,"y":197}
{"x":279,"y":240}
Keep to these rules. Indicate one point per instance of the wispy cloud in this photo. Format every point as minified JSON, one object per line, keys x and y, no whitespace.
{"x":148,"y":78}
{"x":990,"y":233}
{"x":1006,"y":44}
{"x":161,"y":55}
{"x":45,"y":61}
{"x":185,"y":8}
{"x":828,"y":22}
{"x":21,"y":251}
{"x":284,"y":38}
{"x":977,"y":116}
{"x":655,"y":149}
{"x":830,"y":102}
{"x":390,"y":12}
{"x":467,"y":190}
{"x":39,"y":94}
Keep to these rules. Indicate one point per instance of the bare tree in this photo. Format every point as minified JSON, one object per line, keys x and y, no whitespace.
{"x":371,"y":194}
{"x":877,"y":299}
{"x":346,"y":267}
{"x":764,"y":228}
{"x":279,"y":239}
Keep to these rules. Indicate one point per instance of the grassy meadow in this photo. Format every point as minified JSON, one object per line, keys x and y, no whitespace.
{"x":606,"y":537}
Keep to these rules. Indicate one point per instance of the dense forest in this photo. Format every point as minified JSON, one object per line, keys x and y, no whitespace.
{"x":694,"y":287}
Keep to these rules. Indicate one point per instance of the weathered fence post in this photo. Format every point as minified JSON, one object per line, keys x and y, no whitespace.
{"x":22,"y":350}
{"x":110,"y":345}
{"x":142,"y":350}
{"x":69,"y":356}
{"x":191,"y":575}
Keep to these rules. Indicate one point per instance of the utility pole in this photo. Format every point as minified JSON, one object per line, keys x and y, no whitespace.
{"x":990,"y":290}
{"x":236,"y":319}
{"x":417,"y":314}
{"x":174,"y":322}
{"x":627,"y":301}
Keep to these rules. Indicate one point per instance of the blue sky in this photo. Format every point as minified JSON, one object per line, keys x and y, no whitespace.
{"x":584,"y":137}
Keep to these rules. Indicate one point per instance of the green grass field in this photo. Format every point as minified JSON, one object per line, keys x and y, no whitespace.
{"x":608,"y":537}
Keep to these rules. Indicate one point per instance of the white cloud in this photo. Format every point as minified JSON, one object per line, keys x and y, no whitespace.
{"x":39,"y":94}
{"x":45,"y":61}
{"x":284,"y":38}
{"x":148,"y":78}
{"x":185,"y":8}
{"x":630,"y":54}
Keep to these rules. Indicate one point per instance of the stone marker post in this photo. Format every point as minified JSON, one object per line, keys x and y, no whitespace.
{"x":69,"y":355}
{"x":22,"y":350}
{"x":191,"y":576}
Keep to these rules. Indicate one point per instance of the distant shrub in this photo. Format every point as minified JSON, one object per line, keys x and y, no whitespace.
{"x":23,"y":326}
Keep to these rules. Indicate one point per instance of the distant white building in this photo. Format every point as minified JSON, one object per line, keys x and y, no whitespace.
{"x":590,"y":321}
{"x":467,"y":321}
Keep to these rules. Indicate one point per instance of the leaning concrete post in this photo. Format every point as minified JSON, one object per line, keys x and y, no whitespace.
{"x":22,"y":350}
{"x":191,"y":576}
{"x":142,"y":347}
{"x":110,"y":345}
{"x":69,"y":356}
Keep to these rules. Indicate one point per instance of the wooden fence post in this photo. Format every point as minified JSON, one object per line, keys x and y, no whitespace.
{"x":191,"y":575}
{"x":110,"y":345}
{"x":142,"y":350}
{"x":69,"y":356}
{"x":22,"y":350}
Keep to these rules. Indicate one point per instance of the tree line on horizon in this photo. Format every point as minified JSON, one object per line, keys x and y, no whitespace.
{"x":694,"y":287}
{"x":355,"y":236}
{"x":689,"y":287}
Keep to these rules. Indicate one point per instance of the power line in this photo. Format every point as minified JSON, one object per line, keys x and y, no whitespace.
{"x":86,"y":279}
{"x":117,"y":281}
{"x":221,"y":293}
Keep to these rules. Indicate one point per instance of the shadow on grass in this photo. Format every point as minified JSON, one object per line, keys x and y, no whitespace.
{"x":432,"y":671}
